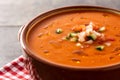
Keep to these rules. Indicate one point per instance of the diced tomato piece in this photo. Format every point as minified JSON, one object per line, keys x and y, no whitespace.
{"x":79,"y":28}
{"x":96,"y":28}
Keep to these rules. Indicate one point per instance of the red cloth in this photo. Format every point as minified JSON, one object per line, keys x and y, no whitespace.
{"x":15,"y":70}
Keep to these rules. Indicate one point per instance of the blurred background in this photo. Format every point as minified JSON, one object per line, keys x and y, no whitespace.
{"x":15,"y":13}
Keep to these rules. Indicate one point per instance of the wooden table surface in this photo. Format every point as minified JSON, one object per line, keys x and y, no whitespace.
{"x":15,"y":13}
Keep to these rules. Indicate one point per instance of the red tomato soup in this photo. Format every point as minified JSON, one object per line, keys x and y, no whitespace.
{"x":81,"y":39}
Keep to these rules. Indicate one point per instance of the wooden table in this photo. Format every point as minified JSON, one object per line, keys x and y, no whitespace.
{"x":15,"y":13}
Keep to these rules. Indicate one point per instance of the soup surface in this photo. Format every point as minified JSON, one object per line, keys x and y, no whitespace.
{"x":84,"y":39}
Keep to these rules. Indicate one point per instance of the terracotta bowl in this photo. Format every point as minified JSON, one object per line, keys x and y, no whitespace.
{"x":41,"y":69}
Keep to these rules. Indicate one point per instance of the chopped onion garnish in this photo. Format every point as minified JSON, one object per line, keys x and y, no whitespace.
{"x":81,"y":36}
{"x":89,"y":29}
{"x":89,"y":42}
{"x":86,"y":34}
{"x":78,"y":44}
{"x":96,"y":33}
{"x":102,"y":29}
{"x":107,"y":44}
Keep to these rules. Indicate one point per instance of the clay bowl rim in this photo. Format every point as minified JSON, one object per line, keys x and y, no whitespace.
{"x":23,"y":30}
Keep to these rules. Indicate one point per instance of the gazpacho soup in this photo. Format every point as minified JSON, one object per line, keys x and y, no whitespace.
{"x":80,"y":39}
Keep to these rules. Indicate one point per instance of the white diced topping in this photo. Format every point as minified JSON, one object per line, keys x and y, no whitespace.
{"x":89,"y":28}
{"x":81,"y":36}
{"x":78,"y":44}
{"x":89,"y":42}
{"x":96,"y":33}
{"x":108,"y":44}
{"x":91,"y":23}
{"x":88,"y":31}
{"x":102,"y":29}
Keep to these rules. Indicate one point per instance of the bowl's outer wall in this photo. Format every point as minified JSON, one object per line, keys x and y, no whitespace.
{"x":39,"y":70}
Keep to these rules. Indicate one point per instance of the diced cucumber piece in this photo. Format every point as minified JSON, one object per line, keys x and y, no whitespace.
{"x":100,"y":48}
{"x":92,"y":37}
{"x":58,"y":31}
{"x":66,"y":38}
{"x":74,"y":39}
{"x":73,"y":34}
